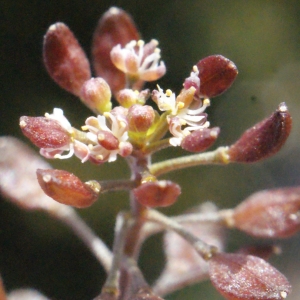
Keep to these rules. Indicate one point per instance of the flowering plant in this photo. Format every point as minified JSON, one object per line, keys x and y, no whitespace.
{"x":141,"y":124}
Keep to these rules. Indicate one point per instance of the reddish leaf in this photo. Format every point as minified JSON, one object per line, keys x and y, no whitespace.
{"x":263,"y":139}
{"x":64,"y":58}
{"x":115,"y":27}
{"x":270,"y":213}
{"x":66,"y":188}
{"x":246,"y":277}
{"x":44,"y":132}
{"x":217,"y":74}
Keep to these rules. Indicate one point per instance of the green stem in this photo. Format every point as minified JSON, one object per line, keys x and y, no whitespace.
{"x":219,"y":156}
{"x":156,"y":146}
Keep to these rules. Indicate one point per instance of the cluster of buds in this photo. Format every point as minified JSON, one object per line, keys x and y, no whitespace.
{"x":143,"y":123}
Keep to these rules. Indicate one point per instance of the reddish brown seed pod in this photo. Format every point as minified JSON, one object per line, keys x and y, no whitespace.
{"x":64,"y":58}
{"x":263,"y":139}
{"x":216,"y":74}
{"x":270,"y":213}
{"x":200,"y":140}
{"x":115,"y":27}
{"x":45,"y":132}
{"x":246,"y":277}
{"x":157,"y":193}
{"x":66,"y":188}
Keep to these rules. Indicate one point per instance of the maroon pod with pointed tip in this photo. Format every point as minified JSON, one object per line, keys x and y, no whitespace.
{"x":45,"y":132}
{"x":115,"y":27}
{"x":270,"y":213}
{"x":264,"y":138}
{"x":64,"y":58}
{"x":247,"y":277}
{"x":66,"y":188}
{"x":157,"y":193}
{"x":216,"y":74}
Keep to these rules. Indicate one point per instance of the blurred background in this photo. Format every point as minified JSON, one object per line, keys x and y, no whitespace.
{"x":261,"y":37}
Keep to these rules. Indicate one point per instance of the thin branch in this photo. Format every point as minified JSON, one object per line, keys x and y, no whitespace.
{"x":206,"y":251}
{"x":223,"y":216}
{"x":219,"y":156}
{"x":112,"y":282}
{"x":116,"y":185}
{"x":69,"y":217}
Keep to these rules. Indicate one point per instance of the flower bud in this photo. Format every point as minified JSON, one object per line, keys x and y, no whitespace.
{"x":186,"y":97}
{"x":66,"y":188}
{"x":240,"y":277}
{"x":45,"y":132}
{"x":128,"y":97}
{"x":115,"y":27}
{"x":216,"y":74}
{"x":270,"y":213}
{"x":107,"y":140}
{"x":140,"y":118}
{"x":64,"y":58}
{"x":200,"y":140}
{"x":263,"y":139}
{"x":158,"y":193}
{"x":95,"y":93}
{"x":193,"y":80}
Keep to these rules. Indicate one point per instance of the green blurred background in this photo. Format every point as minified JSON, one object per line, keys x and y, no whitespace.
{"x":261,"y":37}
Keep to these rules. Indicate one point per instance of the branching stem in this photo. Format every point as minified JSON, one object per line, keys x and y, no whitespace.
{"x":218,"y":156}
{"x":206,"y":251}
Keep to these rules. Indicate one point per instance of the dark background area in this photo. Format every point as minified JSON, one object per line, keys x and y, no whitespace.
{"x":261,"y":37}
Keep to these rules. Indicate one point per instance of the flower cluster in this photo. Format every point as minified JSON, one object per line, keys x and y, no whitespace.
{"x":143,"y":123}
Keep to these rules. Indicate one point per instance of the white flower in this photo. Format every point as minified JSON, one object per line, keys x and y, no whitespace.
{"x":109,"y":141}
{"x":180,"y":115}
{"x":139,"y":60}
{"x":73,"y":146}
